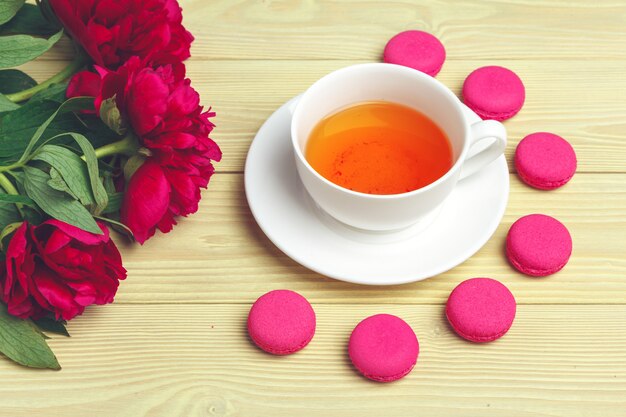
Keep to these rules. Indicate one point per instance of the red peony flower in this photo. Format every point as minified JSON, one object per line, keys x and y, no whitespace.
{"x":164,"y":112}
{"x":58,"y":268}
{"x":84,"y":83}
{"x":146,"y":202}
{"x":111,"y":31}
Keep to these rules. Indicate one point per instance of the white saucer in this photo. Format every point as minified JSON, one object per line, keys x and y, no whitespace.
{"x":286,"y":214}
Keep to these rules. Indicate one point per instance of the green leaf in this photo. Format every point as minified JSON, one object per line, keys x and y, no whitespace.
{"x":18,"y":127}
{"x":32,"y":215}
{"x":115,"y":203}
{"x":118,"y":226}
{"x":111,"y":116}
{"x":73,"y":104}
{"x":58,"y":183}
{"x":50,"y":325}
{"x":8,"y":213}
{"x":19,"y":181}
{"x":71,"y":168}
{"x":55,"y":203}
{"x":132,"y":165}
{"x":7,"y":230}
{"x":97,"y":187}
{"x":109,"y":184}
{"x":55,"y":92}
{"x":12,"y":199}
{"x":96,"y":131}
{"x":6,"y":104}
{"x":8,"y":9}
{"x":21,"y":343}
{"x":38,"y":330}
{"x":82,"y":176}
{"x":18,"y":49}
{"x":12,"y":81}
{"x":29,"y":20}
{"x":48,"y":12}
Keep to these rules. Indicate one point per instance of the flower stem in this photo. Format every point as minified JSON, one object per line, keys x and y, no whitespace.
{"x":7,"y":185}
{"x":78,"y":62}
{"x":11,"y":167}
{"x":10,"y":189}
{"x":127,"y":146}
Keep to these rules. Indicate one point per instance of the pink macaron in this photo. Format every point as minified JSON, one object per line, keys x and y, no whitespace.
{"x":538,"y":245}
{"x":281,"y":322}
{"x":481,"y":309}
{"x":545,"y":161}
{"x":416,"y":49}
{"x":383,"y":348}
{"x":494,"y":93}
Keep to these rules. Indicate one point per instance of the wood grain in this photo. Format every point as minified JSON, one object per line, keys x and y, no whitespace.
{"x":583,"y":102}
{"x":196,"y":360}
{"x":358,"y":29}
{"x":174,"y":344}
{"x":220,"y":255}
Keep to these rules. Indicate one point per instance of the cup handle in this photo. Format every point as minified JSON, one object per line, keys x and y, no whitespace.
{"x":479,"y":131}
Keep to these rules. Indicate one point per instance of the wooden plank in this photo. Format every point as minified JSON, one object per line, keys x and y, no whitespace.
{"x":359,"y":29}
{"x":582,"y":102}
{"x":220,"y":255}
{"x":196,"y":360}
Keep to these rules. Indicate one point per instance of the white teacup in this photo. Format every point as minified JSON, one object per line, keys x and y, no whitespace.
{"x":402,"y":85}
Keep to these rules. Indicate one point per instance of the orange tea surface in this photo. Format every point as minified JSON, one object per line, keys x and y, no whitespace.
{"x":379,"y":148}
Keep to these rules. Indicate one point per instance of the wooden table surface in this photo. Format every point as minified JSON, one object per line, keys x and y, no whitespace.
{"x":175,"y":344}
